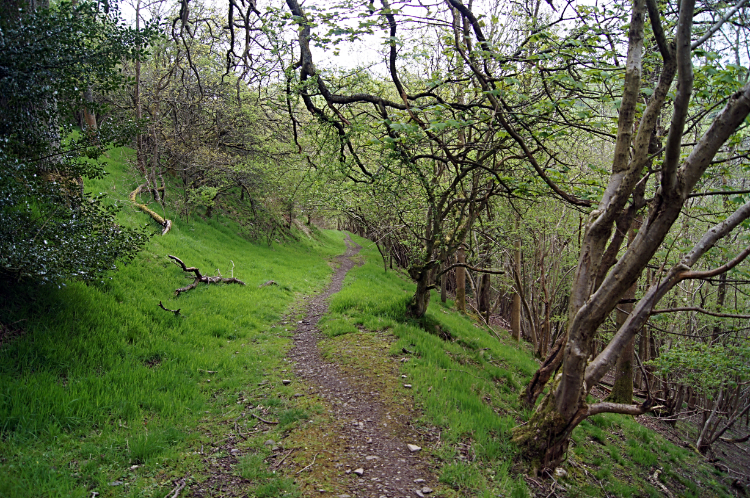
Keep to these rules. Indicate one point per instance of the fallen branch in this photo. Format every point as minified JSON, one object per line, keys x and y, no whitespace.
{"x":176,"y":491}
{"x":264,"y":421}
{"x":311,"y":464}
{"x":735,"y":440}
{"x":165,"y":224}
{"x":655,"y":480}
{"x":200,"y":277}
{"x":278,"y":464}
{"x":176,"y":312}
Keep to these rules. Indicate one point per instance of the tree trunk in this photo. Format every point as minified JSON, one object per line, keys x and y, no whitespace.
{"x":484,"y":296}
{"x":461,"y":280}
{"x":417,"y":307}
{"x":444,"y":277}
{"x":622,"y":389}
{"x":515,"y":310}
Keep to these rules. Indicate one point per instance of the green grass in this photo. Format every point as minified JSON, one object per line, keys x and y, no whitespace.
{"x":106,"y":392}
{"x":103,"y":379}
{"x":468,"y":386}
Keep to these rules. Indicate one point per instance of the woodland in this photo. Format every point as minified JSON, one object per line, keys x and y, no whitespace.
{"x":571,"y":177}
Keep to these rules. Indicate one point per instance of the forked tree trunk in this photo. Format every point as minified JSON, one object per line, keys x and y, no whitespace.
{"x":545,"y":438}
{"x":417,"y":307}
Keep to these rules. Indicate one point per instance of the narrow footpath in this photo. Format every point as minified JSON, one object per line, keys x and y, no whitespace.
{"x":379,"y":464}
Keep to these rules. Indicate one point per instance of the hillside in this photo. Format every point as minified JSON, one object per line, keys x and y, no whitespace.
{"x":106,"y":394}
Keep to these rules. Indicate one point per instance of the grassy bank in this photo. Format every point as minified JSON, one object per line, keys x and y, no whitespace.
{"x":466,"y":380}
{"x":105,"y":392}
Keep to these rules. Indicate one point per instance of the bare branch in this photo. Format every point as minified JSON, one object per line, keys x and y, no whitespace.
{"x":700,"y":310}
{"x":697,"y":43}
{"x":472,"y":268}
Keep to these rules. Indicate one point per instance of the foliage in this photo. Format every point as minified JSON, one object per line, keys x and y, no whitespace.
{"x":50,"y":228}
{"x":706,"y":367}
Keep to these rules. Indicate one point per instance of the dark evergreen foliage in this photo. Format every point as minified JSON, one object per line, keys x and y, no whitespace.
{"x":49,"y":227}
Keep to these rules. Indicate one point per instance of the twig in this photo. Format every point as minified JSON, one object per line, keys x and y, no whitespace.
{"x":176,"y":491}
{"x":264,"y":421}
{"x":311,"y":464}
{"x":208,"y":371}
{"x":278,"y":464}
{"x":237,"y":429}
{"x":176,"y":312}
{"x":655,"y":480}
{"x":649,"y":396}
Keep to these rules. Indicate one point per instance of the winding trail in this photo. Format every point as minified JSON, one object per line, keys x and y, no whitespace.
{"x":390,"y":469}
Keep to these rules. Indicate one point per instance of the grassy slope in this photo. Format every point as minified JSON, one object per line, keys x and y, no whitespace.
{"x":106,"y":388}
{"x":104,"y":380}
{"x":468,"y":386}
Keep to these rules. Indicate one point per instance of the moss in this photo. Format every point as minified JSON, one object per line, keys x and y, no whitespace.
{"x":544,"y":439}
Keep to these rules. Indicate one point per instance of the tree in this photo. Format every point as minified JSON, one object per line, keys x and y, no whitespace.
{"x":531,"y":101}
{"x":545,"y":438}
{"x":49,"y":227}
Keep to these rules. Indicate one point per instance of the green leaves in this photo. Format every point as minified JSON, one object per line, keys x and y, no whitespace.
{"x":706,"y":368}
{"x":49,"y":228}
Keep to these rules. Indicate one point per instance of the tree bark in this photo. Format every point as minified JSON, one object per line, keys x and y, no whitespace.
{"x":444,"y":277}
{"x":545,"y":438}
{"x":622,"y":388}
{"x":515,"y":310}
{"x":461,"y":280}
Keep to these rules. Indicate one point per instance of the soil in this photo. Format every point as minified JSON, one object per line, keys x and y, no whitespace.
{"x":367,"y":435}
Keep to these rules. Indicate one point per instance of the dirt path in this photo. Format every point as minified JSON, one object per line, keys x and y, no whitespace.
{"x":389,"y":468}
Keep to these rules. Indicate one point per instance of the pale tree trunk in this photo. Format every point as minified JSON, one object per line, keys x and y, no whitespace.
{"x":515,"y":310}
{"x":444,"y":278}
{"x":461,"y":280}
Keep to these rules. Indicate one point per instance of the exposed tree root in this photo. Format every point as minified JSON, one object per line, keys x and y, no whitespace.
{"x":165,"y":224}
{"x":201,"y":278}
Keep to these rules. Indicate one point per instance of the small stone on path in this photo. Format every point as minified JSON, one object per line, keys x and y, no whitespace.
{"x":359,"y":471}
{"x":408,"y":386}
{"x":426,"y":490}
{"x":418,"y":493}
{"x":286,"y":382}
{"x":419,"y":481}
{"x":413,"y":448}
